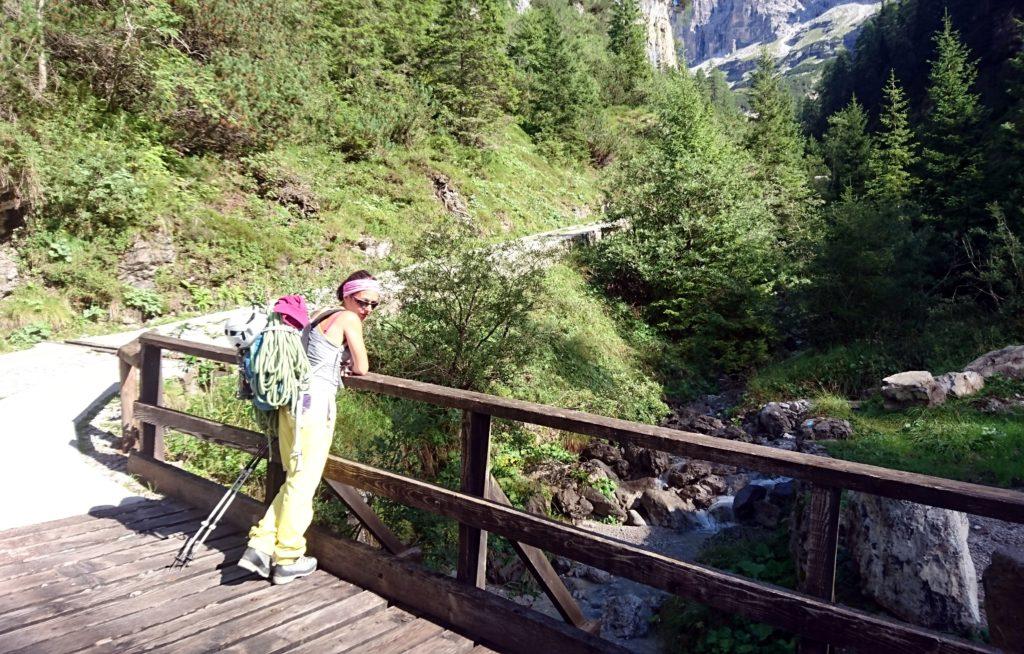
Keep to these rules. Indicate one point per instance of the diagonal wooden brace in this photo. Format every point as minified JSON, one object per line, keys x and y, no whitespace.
{"x":351,"y":498}
{"x":541,"y":569}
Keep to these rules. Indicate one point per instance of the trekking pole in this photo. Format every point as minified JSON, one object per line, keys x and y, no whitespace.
{"x":187,"y":551}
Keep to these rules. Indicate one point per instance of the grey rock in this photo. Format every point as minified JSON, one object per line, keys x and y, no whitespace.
{"x":597,"y":469}
{"x":1004,"y":599}
{"x":743,"y":504}
{"x":914,"y":561}
{"x":8,"y":270}
{"x":374,"y":248}
{"x":645,"y":462}
{"x":634,"y":519}
{"x":608,"y":454}
{"x":449,"y":196}
{"x":146,"y":255}
{"x":538,"y":504}
{"x":569,"y":501}
{"x":783,"y":492}
{"x":604,"y":506}
{"x":778,"y":418}
{"x":665,"y":508}
{"x":1008,"y":361}
{"x":628,"y":492}
{"x":687,"y":420}
{"x":823,"y":429}
{"x":912,"y":388}
{"x":961,"y":384}
{"x":625,"y":616}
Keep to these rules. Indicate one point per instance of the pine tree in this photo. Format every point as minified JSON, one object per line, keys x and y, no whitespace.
{"x":847,"y":149}
{"x":561,"y":93}
{"x":773,"y":137}
{"x":952,"y":157}
{"x":628,"y":45}
{"x":892,"y":157}
{"x":467,"y":66}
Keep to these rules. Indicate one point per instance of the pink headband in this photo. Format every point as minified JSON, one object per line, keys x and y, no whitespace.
{"x":357,"y":285}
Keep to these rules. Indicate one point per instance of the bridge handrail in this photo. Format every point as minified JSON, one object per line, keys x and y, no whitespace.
{"x":812,"y":615}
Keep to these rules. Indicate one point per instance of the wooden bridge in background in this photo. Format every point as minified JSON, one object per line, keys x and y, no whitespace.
{"x":381,"y":599}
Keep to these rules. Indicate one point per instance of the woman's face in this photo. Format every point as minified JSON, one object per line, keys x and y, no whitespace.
{"x":362,"y":303}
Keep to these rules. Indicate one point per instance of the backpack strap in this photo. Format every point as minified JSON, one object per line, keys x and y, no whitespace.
{"x":310,"y":327}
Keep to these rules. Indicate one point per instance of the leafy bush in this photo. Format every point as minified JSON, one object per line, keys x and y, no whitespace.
{"x":148,"y":302}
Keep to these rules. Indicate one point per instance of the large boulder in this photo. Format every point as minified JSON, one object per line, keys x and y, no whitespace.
{"x":743,"y":505}
{"x":1008,"y":362}
{"x":823,"y":429}
{"x":912,"y":388}
{"x":778,"y":418}
{"x":913,"y":560}
{"x":604,"y":506}
{"x":644,"y":462}
{"x":665,"y":508}
{"x":608,"y":454}
{"x":1004,"y":599}
{"x":625,"y":616}
{"x":687,"y":420}
{"x":961,"y":384}
{"x":572,"y":503}
{"x":628,"y":492}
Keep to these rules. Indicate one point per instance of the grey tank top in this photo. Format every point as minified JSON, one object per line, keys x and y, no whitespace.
{"x":325,"y":361}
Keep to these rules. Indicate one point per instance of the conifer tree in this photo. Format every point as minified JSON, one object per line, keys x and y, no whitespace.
{"x":773,"y":138}
{"x":467,"y":66}
{"x":561,"y":94}
{"x":889,"y":179}
{"x":628,"y":45}
{"x":951,"y":157}
{"x":847,"y":149}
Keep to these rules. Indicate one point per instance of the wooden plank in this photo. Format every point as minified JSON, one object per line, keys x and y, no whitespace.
{"x":78,"y":631}
{"x":822,"y":544}
{"x":258,"y":621}
{"x":795,"y":612}
{"x":476,"y":455}
{"x":349,"y":637}
{"x":55,"y":600}
{"x":447,"y":642}
{"x":151,"y":392}
{"x":960,"y":496}
{"x":548,"y":580}
{"x":477,"y":614}
{"x":327,"y":619}
{"x":216,"y":613}
{"x":194,"y":348}
{"x":208,"y":430}
{"x":351,"y":498}
{"x":399,"y":640}
{"x":95,"y":514}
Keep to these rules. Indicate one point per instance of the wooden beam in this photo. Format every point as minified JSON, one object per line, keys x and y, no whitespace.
{"x":195,"y":348}
{"x":822,"y":544}
{"x":476,"y":453}
{"x":482,"y":616}
{"x":351,"y":498}
{"x":548,"y":580}
{"x":924,"y":489}
{"x":801,"y":614}
{"x":129,"y":360}
{"x":208,"y":430}
{"x":151,"y":392}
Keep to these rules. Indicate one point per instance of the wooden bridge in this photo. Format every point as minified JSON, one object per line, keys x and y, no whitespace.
{"x":97,"y":582}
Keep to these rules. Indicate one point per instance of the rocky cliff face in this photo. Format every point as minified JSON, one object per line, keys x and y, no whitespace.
{"x":661,"y":48}
{"x":728,"y":34}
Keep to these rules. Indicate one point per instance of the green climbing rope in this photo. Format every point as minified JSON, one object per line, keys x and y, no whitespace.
{"x":280,"y":368}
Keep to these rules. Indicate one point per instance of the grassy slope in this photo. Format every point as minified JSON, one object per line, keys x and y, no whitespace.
{"x":233,"y":240}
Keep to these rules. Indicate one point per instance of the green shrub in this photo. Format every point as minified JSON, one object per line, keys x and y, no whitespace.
{"x":148,"y":302}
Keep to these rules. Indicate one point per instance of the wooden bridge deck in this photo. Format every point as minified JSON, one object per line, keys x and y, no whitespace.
{"x":101,"y":583}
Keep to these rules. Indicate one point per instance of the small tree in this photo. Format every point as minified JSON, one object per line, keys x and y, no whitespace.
{"x":467,"y":66}
{"x":628,"y":45}
{"x":889,"y":177}
{"x":847,"y":149}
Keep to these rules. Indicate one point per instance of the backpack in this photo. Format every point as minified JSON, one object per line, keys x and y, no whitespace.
{"x":274,"y":366}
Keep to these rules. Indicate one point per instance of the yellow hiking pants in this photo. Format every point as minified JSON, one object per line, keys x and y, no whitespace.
{"x":305,"y":438}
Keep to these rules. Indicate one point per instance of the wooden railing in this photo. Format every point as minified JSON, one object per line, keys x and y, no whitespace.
{"x":480,"y":508}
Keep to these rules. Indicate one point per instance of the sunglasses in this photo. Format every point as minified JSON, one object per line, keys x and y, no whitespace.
{"x":366,"y":304}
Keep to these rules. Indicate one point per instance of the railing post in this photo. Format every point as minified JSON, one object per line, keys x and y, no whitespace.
{"x":822,"y":542}
{"x":151,"y":392}
{"x":476,"y":449}
{"x":128,"y":360}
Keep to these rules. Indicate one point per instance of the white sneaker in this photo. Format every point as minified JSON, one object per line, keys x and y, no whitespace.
{"x":301,"y":567}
